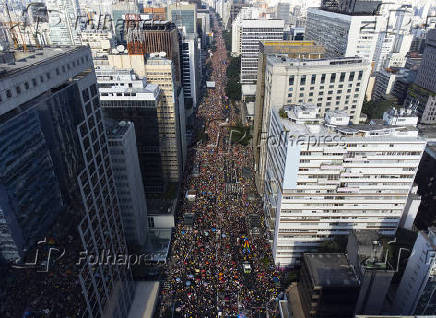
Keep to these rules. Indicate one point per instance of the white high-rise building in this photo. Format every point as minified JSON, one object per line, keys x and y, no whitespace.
{"x":342,"y":34}
{"x":330,"y":84}
{"x":190,"y":72}
{"x":283,"y":12}
{"x":246,"y":13}
{"x":128,"y":180}
{"x":326,"y":179}
{"x":252,"y":33}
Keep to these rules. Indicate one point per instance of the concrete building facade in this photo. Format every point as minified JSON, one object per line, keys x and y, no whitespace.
{"x":128,"y":180}
{"x":252,"y":33}
{"x":358,"y":177}
{"x":330,"y":84}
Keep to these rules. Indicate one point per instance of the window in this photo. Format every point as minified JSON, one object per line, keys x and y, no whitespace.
{"x":151,"y":222}
{"x":342,"y":78}
{"x":85,"y":94}
{"x":360,"y":75}
{"x":8,"y":93}
{"x":303,"y":80}
{"x":333,"y":78}
{"x":351,"y":78}
{"x":313,"y":79}
{"x":322,"y":78}
{"x":18,"y":89}
{"x":291,"y":80}
{"x":34,"y":83}
{"x":26,"y":85}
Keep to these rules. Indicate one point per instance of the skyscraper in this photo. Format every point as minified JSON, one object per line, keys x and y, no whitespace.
{"x":53,"y":95}
{"x":128,"y":180}
{"x":422,"y":95}
{"x":124,"y":97}
{"x":252,"y":33}
{"x":329,"y":84}
{"x":293,"y":49}
{"x":344,"y":34}
{"x":184,"y":16}
{"x":324,"y":180}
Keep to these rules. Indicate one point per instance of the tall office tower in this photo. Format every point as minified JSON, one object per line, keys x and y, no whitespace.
{"x":293,"y":49}
{"x":328,"y":286}
{"x":426,"y":75}
{"x":160,"y":71}
{"x":119,"y":11}
{"x":415,"y":292}
{"x":204,"y":23}
{"x":343,"y":34}
{"x":190,"y":71}
{"x":156,"y":36}
{"x":422,"y":95}
{"x":252,"y":33}
{"x":352,"y":6}
{"x":330,"y":84}
{"x":394,"y":41}
{"x":128,"y":180}
{"x":246,"y":13}
{"x":55,"y":155}
{"x":368,"y":256}
{"x":124,"y":97}
{"x":184,"y":16}
{"x":324,"y":180}
{"x":283,"y":12}
{"x":63,"y":18}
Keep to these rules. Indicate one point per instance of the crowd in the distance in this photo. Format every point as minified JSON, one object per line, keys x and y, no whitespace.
{"x":205,"y":274}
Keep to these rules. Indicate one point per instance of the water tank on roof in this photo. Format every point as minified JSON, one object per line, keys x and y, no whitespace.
{"x":120,"y":48}
{"x":162,"y":54}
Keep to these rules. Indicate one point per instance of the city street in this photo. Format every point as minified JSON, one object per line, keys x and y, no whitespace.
{"x":220,"y":266}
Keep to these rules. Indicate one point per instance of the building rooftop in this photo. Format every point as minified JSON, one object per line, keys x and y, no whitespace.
{"x":248,"y":90}
{"x":294,"y":62}
{"x":370,"y":247}
{"x":330,"y":270}
{"x":31,"y":59}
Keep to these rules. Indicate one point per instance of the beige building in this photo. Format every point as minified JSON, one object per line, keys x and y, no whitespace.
{"x":160,"y":71}
{"x":293,"y":49}
{"x":329,"y":84}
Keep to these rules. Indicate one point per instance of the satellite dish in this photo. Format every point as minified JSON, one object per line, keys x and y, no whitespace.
{"x":120,"y":48}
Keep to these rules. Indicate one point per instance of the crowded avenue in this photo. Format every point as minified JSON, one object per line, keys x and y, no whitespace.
{"x":220,"y":264}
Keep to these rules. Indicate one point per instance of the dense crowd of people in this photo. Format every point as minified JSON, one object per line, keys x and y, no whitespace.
{"x":51,"y":288}
{"x":217,"y":266}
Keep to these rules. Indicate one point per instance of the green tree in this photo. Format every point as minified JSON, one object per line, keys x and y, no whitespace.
{"x":227,"y":35}
{"x":375,"y":109}
{"x":233,"y":88}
